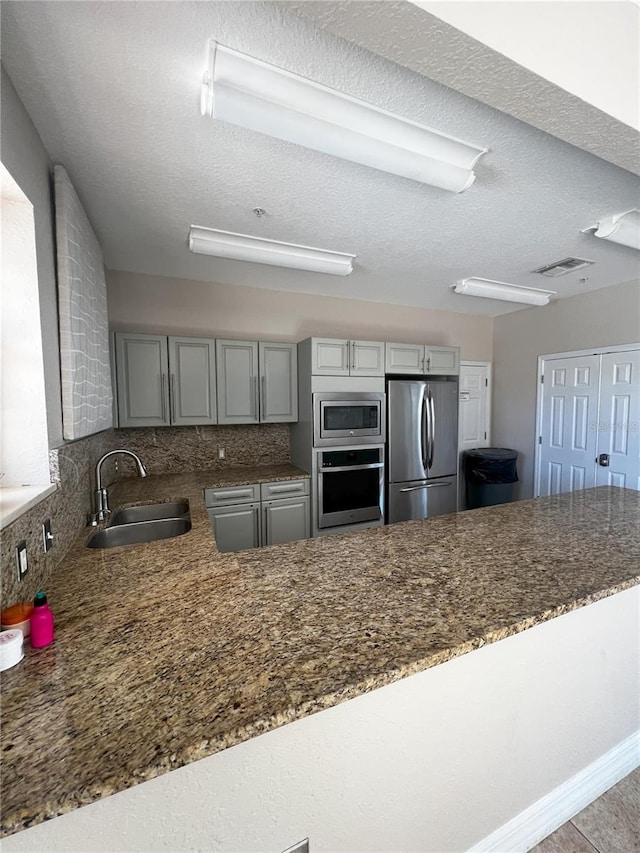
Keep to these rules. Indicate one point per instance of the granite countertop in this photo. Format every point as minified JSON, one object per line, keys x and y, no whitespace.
{"x":168,"y":652}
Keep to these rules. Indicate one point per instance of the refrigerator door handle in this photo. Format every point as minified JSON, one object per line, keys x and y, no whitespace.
{"x":425,"y":486}
{"x":432,"y":431}
{"x":424,"y":431}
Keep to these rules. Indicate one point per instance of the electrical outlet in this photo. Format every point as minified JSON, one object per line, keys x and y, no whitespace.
{"x":47,"y":536}
{"x":21,"y":559}
{"x":221,"y":453}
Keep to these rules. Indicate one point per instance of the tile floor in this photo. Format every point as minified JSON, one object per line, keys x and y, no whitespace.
{"x":611,"y":824}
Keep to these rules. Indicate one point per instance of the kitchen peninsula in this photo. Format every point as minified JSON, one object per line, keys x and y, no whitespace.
{"x":169,"y":652}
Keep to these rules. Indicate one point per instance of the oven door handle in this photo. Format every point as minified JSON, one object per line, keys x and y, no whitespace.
{"x":328,"y":469}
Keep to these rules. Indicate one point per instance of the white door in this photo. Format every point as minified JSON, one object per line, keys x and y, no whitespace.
{"x":473,"y":413}
{"x":569,"y":409}
{"x":618,"y":423}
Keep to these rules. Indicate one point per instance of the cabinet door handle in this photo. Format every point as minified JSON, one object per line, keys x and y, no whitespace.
{"x":163,"y":381}
{"x":256,"y":411}
{"x":353,"y":355}
{"x":172,"y":398}
{"x":265,"y":538}
{"x":263,"y":401}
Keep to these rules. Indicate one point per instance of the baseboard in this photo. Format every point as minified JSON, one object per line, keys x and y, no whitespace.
{"x":529,"y":827}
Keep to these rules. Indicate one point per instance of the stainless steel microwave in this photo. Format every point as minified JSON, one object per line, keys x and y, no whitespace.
{"x":348,"y":418}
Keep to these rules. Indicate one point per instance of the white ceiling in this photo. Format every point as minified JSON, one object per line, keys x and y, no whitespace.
{"x":113,"y":89}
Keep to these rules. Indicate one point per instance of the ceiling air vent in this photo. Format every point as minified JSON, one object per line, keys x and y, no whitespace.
{"x":563,"y":267}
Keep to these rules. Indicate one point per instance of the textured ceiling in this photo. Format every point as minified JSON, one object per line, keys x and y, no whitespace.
{"x":113,"y":89}
{"x":423,"y":43}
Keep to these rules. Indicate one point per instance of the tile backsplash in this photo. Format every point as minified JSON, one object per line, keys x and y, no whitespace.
{"x":173,"y":449}
{"x":72,"y":466}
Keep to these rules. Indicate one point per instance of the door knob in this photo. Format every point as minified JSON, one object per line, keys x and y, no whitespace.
{"x":603,"y":460}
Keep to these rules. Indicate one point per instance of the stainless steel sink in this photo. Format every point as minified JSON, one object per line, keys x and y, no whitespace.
{"x":150,"y":512}
{"x":139,"y":531}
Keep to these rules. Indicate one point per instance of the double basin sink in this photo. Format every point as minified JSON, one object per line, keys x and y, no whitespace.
{"x":135,"y":524}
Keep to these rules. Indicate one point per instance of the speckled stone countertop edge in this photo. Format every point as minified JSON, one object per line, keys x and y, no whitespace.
{"x":293,"y":708}
{"x":305,"y":708}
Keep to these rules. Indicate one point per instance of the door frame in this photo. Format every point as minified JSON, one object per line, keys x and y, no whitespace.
{"x":541,"y":363}
{"x":461,"y":482}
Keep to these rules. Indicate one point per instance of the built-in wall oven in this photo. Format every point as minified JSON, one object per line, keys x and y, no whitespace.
{"x":348,"y":418}
{"x":350,"y":486}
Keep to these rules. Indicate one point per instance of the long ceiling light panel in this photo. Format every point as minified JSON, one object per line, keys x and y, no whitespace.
{"x":501,"y":290}
{"x":623,"y":228}
{"x":258,"y":250}
{"x":248,"y":92}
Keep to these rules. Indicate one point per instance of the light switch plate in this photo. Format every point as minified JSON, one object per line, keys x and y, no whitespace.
{"x":21,"y":559}
{"x":47,"y":536}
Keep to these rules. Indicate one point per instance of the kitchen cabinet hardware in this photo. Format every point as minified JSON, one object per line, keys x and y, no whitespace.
{"x":259,"y":514}
{"x":257,"y":382}
{"x":164,"y":380}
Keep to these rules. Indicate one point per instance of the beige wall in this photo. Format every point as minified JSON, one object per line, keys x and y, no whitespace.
{"x":601,"y":318}
{"x":149,"y":303}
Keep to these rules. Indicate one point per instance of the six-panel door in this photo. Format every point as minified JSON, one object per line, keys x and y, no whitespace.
{"x":143,"y":381}
{"x":192,"y":381}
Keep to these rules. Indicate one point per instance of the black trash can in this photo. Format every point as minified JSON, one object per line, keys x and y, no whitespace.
{"x":490,"y":475}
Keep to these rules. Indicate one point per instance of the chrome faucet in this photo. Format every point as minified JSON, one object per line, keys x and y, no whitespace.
{"x":101,"y":495}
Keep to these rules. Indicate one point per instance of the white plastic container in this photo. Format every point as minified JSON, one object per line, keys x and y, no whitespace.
{"x":11,"y":652}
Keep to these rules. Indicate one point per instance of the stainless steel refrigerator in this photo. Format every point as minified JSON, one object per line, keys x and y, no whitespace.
{"x":422,"y":447}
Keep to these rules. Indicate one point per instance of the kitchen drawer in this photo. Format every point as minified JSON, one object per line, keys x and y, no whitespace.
{"x":286,"y":489}
{"x":232,"y":495}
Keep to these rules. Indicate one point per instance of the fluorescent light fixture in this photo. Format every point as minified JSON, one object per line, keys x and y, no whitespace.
{"x":248,"y":92}
{"x":501,"y":290}
{"x":258,"y":250}
{"x":623,"y":228}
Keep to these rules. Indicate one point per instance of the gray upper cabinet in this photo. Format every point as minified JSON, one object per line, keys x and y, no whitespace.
{"x":329,"y":357}
{"x":257,"y":383}
{"x":442,"y":360}
{"x":142,"y":367}
{"x":405,"y":358}
{"x":163,"y":381}
{"x":192,"y":381}
{"x":338,"y":357}
{"x":237,"y":371}
{"x":421,"y":359}
{"x":278,"y":364}
{"x":367,"y":358}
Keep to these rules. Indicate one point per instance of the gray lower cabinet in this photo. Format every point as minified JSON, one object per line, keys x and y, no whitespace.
{"x":285,"y":520}
{"x":236,"y":527}
{"x":241,"y":520}
{"x":163,"y":380}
